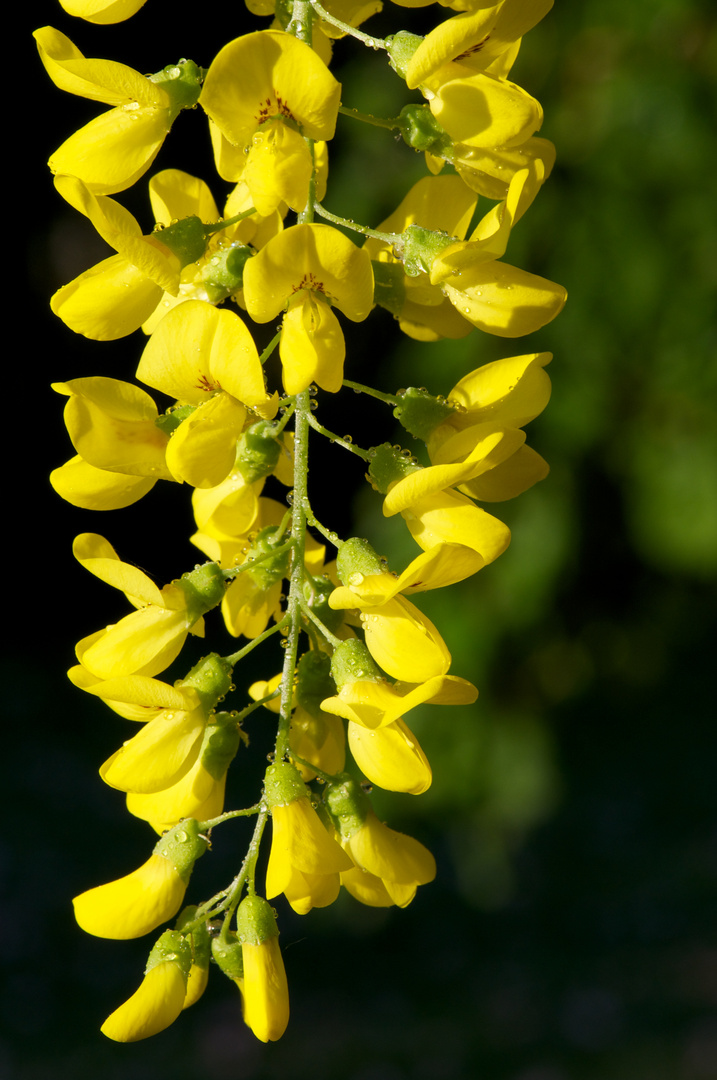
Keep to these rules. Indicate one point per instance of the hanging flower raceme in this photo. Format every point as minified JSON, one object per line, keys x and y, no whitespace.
{"x":205,"y":358}
{"x":388,"y":866}
{"x":305,"y":861}
{"x":268,"y":92}
{"x":148,"y":640}
{"x":111,"y":152}
{"x":306,"y":271}
{"x":152,"y":894}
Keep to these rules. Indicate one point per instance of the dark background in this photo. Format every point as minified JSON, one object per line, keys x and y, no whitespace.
{"x":571,"y":933}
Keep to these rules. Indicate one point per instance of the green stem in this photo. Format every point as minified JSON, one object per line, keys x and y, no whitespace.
{"x":251,"y":563}
{"x":390,"y":399}
{"x":332,"y":537}
{"x":270,"y":348}
{"x":206,"y":825}
{"x":394,"y":124}
{"x":209,"y":230}
{"x":371,"y":42}
{"x":296,"y":580}
{"x":234,"y":658}
{"x":346,"y":443}
{"x":324,"y":630}
{"x":384,"y":237}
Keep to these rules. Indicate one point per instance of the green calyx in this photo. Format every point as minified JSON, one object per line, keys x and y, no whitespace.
{"x":203,"y":588}
{"x":187,"y":239}
{"x":198,"y":938}
{"x":389,"y":464}
{"x":226,"y":953}
{"x":389,"y":287}
{"x":256,"y":921}
{"x":313,"y":682}
{"x":182,"y":846}
{"x":420,"y":129}
{"x":224,"y":273}
{"x":348,"y":804}
{"x":283,"y":785}
{"x":170,"y":421}
{"x":272,"y":567}
{"x":316,"y":594}
{"x":182,"y":82}
{"x":418,"y":247}
{"x":401,"y":47}
{"x":258,"y":451}
{"x":420,"y":412}
{"x":211,"y":678}
{"x":352,"y":662}
{"x":220,"y":744}
{"x":356,"y":556}
{"x":173,"y":948}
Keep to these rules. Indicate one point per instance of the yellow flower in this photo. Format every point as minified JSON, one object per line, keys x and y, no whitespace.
{"x":474,"y":40}
{"x":111,"y":152}
{"x":216,"y":274}
{"x":112,"y":427}
{"x":445,"y":204}
{"x":306,"y":270}
{"x":133,"y":905}
{"x":510,"y":392}
{"x":207,"y":358}
{"x":269,"y":93}
{"x":160,"y":998}
{"x":148,"y":640}
{"x":264,"y":989}
{"x":199,"y":792}
{"x":395,"y":864}
{"x":113,"y":298}
{"x":305,"y":860}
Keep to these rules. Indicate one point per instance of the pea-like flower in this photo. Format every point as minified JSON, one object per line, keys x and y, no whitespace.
{"x":305,"y":861}
{"x":111,"y":152}
{"x":398,"y":862}
{"x":120,"y":449}
{"x":205,"y":357}
{"x":161,"y":996}
{"x":268,"y":92}
{"x":148,"y":640}
{"x":306,"y":271}
{"x":114,"y":298}
{"x":265,"y":993}
{"x":133,"y":905}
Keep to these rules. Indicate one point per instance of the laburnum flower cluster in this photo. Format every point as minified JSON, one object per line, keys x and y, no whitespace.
{"x":358,"y":653}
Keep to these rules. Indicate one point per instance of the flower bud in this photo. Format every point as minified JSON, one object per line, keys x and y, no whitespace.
{"x":160,"y":998}
{"x":258,"y":451}
{"x":265,"y":991}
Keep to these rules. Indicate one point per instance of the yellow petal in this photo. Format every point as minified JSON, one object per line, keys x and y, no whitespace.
{"x":265,"y":993}
{"x":108,"y":301}
{"x":96,"y":489}
{"x":202,"y":449}
{"x":159,"y":755}
{"x":132,"y":905}
{"x":404,"y":642}
{"x":312,"y":346}
{"x":391,"y":757}
{"x":152,"y":1008}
